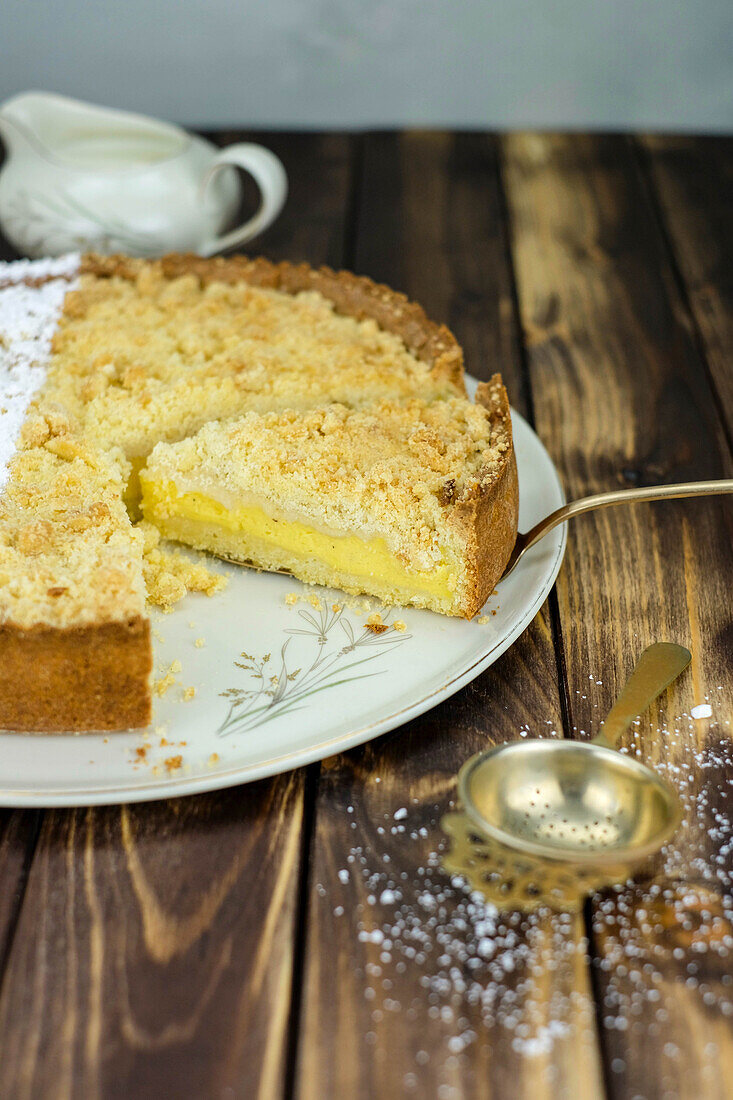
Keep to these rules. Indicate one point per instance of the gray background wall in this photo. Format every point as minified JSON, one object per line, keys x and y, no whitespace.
{"x":321,"y":63}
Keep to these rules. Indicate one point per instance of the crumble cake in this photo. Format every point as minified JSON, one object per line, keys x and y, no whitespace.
{"x":330,"y":406}
{"x":382,"y":499}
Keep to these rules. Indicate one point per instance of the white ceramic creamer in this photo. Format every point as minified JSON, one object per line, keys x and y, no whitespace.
{"x":78,"y":177}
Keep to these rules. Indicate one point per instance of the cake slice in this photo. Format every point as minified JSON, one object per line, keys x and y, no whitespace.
{"x":412,"y":502}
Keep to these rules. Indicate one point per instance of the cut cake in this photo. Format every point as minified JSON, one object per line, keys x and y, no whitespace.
{"x":293,"y":418}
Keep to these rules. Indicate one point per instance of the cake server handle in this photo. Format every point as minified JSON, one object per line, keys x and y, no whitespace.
{"x":605,"y":500}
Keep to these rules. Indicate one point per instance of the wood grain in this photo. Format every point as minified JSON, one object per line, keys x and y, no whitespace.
{"x":430,"y":222}
{"x":622,"y":397}
{"x":151,"y":958}
{"x":158,"y":950}
{"x":315,"y":222}
{"x":445,"y":242}
{"x":377,"y":1022}
{"x":153,"y":954}
{"x":693,"y":179}
{"x":18,"y":836}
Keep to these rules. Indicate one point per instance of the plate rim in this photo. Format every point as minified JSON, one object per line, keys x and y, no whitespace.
{"x":164,"y":788}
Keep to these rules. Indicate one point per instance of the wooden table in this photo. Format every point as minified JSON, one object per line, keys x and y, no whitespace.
{"x":223,"y":945}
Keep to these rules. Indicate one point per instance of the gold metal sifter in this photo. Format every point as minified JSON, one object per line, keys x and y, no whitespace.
{"x":579,"y":802}
{"x":510,"y":879}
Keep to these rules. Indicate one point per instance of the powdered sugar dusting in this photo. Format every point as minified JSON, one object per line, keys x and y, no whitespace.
{"x":455,"y":966}
{"x":28,"y":317}
{"x":58,"y":267}
{"x":439,"y":961}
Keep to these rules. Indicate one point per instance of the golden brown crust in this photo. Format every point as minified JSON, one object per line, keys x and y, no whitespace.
{"x":81,"y":679}
{"x":490,"y":513}
{"x":353,"y":295}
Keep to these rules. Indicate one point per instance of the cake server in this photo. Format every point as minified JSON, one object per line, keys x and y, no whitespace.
{"x":605,"y":500}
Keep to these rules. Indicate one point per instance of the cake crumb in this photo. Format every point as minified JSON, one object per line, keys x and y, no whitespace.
{"x":399,"y":625}
{"x":161,"y":686}
{"x":199,"y":643}
{"x":173,"y":763}
{"x":315,"y":602}
{"x":213,"y":759}
{"x":164,"y":741}
{"x":141,"y":752}
{"x":291,"y":599}
{"x":358,"y":605}
{"x":482,"y":619}
{"x":169,"y":574}
{"x":375,"y":624}
{"x":188,"y":694}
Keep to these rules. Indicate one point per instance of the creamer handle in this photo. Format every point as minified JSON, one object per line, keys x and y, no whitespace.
{"x":269,"y":175}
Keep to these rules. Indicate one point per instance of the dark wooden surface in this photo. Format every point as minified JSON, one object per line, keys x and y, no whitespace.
{"x":220,"y":946}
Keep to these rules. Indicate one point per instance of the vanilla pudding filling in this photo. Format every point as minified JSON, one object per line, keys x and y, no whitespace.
{"x":252,"y":530}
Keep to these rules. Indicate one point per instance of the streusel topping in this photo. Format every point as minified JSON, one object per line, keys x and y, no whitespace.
{"x":379,"y":471}
{"x":150,"y":359}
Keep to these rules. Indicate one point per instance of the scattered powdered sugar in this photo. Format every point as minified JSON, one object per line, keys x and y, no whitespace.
{"x":437,"y":948}
{"x":28,"y":318}
{"x":57,"y":267}
{"x":469,"y":977}
{"x":674,"y":931}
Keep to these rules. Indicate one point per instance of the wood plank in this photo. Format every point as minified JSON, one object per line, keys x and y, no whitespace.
{"x":693,"y":179}
{"x":153,"y":954}
{"x":446,"y":246}
{"x":377,"y":1020}
{"x":18,"y":836}
{"x":315,"y":221}
{"x":7,"y":252}
{"x":622,"y":397}
{"x":154,"y":951}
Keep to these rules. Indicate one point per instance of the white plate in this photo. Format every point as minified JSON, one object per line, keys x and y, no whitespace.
{"x":316,"y":681}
